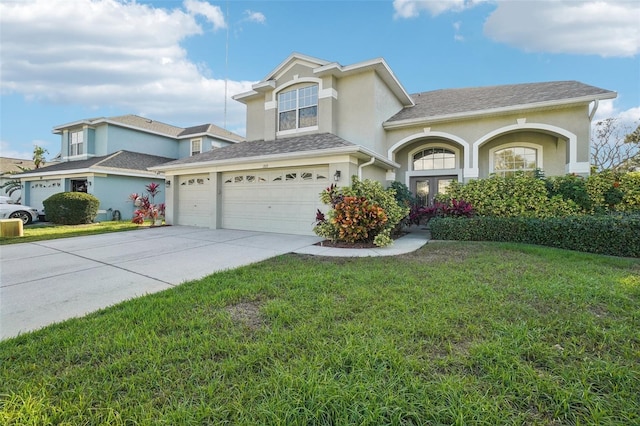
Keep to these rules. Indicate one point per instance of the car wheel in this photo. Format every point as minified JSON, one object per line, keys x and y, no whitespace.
{"x":25,"y":217}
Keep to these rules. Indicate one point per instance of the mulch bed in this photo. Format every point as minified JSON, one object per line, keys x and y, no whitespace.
{"x":358,"y":245}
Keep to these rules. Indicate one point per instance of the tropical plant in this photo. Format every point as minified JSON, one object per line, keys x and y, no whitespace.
{"x":364,"y":211}
{"x":38,"y":156}
{"x":451,"y":208}
{"x":146,"y":206}
{"x":13,"y":185}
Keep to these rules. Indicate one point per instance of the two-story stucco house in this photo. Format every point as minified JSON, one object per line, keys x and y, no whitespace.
{"x":311,"y":123}
{"x":110,"y":157}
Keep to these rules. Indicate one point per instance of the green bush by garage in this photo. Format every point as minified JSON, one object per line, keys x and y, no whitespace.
{"x":71,"y":208}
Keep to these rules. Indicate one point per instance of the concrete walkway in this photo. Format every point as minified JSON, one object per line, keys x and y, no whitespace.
{"x":50,"y":281}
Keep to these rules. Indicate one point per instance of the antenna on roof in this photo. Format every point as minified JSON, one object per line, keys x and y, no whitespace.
{"x":226,"y":69}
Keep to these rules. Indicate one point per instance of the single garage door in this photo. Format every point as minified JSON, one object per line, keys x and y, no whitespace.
{"x":195,"y":201}
{"x":273,"y":201}
{"x":41,"y":190}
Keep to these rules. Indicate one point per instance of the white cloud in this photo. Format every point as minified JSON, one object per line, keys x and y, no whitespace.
{"x":252,"y":16}
{"x":9,"y":152}
{"x":211,"y":13}
{"x":107,"y":53}
{"x":608,"y":28}
{"x":629,"y":118}
{"x":605,"y":27}
{"x":456,"y":28}
{"x":412,"y":8}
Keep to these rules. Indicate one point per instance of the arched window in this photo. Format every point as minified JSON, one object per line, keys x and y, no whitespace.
{"x":434,"y":159}
{"x":507,"y":161}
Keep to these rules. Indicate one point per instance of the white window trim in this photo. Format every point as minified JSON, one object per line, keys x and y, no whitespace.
{"x":72,"y":144}
{"x":538,"y":148}
{"x":191,"y":152}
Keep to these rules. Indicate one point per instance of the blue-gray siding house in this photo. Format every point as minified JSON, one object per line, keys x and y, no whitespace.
{"x":109,"y":158}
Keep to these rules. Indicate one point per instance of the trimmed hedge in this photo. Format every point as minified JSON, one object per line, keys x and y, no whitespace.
{"x":71,"y":208}
{"x":616,"y":235}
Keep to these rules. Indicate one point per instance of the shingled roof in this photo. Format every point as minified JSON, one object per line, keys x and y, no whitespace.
{"x":120,"y":160}
{"x":447,"y":102}
{"x":211,"y":129}
{"x":153,"y":126}
{"x":259,"y":148}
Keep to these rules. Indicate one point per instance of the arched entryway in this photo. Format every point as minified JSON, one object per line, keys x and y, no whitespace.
{"x":430,"y":161}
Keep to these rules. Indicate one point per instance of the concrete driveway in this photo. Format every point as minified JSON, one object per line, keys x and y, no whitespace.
{"x":50,"y":281}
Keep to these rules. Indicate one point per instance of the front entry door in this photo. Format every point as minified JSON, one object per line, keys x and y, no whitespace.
{"x":426,"y":188}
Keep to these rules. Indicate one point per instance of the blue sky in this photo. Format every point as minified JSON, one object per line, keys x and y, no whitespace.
{"x":65,"y":60}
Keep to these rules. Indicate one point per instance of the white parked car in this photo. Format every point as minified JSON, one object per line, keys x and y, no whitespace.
{"x":10,"y":210}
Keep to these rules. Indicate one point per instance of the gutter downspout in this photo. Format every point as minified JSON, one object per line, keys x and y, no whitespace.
{"x":594,"y":109}
{"x":362,"y":166}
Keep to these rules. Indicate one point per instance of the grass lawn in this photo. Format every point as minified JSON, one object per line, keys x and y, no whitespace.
{"x":46,"y":231}
{"x":455,"y":333}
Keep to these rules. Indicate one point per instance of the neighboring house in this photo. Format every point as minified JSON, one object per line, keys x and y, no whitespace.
{"x":9,"y":167}
{"x":110,"y":157}
{"x":311,"y":123}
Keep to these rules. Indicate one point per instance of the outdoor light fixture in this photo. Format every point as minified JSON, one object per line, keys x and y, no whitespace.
{"x":336,"y":175}
{"x":167,"y":183}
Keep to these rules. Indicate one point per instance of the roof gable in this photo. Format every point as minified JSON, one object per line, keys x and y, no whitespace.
{"x":294,"y":59}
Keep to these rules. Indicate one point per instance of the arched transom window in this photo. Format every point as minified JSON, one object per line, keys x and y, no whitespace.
{"x":434,"y":159}
{"x":507,"y":161}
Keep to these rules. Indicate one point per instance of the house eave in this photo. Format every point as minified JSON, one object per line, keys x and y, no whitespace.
{"x":495,"y":111}
{"x":358,"y":151}
{"x":111,"y":171}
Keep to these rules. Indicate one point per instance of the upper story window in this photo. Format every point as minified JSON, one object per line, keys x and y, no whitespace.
{"x":298,"y":108}
{"x":508,"y":161}
{"x":76,"y":145}
{"x":434,"y":159}
{"x":196,"y":146}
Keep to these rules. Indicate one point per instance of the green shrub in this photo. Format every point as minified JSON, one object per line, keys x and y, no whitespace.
{"x":71,"y":208}
{"x":404,"y":197}
{"x":519,"y":195}
{"x":570,"y":188}
{"x":612,"y":191}
{"x":338,"y":225}
{"x":617,"y":235}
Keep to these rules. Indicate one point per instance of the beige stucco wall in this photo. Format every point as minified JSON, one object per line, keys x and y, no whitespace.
{"x":548,"y":127}
{"x":364,"y":103}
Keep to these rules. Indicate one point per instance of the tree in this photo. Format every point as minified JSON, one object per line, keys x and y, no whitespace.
{"x":614,"y":145}
{"x":38,"y":156}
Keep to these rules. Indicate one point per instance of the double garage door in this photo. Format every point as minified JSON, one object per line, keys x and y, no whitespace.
{"x":282,"y":200}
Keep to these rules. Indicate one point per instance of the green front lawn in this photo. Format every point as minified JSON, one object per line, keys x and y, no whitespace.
{"x":46,"y":231}
{"x":455,"y":333}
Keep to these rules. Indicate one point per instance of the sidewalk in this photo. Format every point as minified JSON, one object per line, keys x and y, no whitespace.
{"x":417,"y":237}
